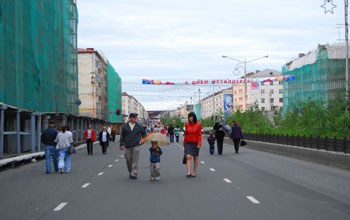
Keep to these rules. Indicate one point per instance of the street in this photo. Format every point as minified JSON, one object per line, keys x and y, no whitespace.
{"x":250,"y":185}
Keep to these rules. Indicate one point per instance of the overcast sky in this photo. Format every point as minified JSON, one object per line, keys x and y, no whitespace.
{"x":185,"y":39}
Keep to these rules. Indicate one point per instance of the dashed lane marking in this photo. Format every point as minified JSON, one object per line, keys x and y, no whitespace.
{"x":60,"y":206}
{"x":85,"y":185}
{"x":227,"y":180}
{"x":202,"y":162}
{"x":110,"y":165}
{"x":116,"y":160}
{"x":121,"y":156}
{"x":212,"y":169}
{"x":100,"y":174}
{"x":253,"y":200}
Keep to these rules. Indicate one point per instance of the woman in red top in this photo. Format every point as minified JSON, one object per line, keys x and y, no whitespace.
{"x":192,"y":142}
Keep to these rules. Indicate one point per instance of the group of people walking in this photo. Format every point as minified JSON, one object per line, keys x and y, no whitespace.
{"x":57,"y":145}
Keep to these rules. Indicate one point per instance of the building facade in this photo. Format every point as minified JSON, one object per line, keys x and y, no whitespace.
{"x":93,"y":91}
{"x":319,"y":76}
{"x":131,"y":105}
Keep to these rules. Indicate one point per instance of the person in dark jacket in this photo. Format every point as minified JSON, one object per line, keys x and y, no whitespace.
{"x":48,"y":139}
{"x":104,"y":138}
{"x":236,"y":135}
{"x":171,"y":133}
{"x":211,"y":142}
{"x":155,"y":152}
{"x":130,"y":139}
{"x":219,"y":135}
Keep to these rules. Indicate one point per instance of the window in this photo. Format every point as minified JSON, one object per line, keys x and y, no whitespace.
{"x":271,"y":91}
{"x":262,"y":83}
{"x":280,"y":82}
{"x":271,"y":100}
{"x":262,"y":108}
{"x":281,"y":109}
{"x":281,"y":91}
{"x":262,"y":100}
{"x":271,"y":83}
{"x":281,"y":100}
{"x":263,"y":91}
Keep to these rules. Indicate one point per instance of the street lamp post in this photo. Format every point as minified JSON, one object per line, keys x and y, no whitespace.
{"x":245,"y":73}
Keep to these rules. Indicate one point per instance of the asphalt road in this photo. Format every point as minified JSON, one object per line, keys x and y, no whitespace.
{"x":250,"y":185}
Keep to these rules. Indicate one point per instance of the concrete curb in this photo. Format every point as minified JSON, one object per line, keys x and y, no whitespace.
{"x":30,"y":156}
{"x":330,"y":158}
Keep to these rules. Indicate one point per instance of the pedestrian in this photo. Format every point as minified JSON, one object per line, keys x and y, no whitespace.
{"x":104,"y":138}
{"x":219,"y":135}
{"x":211,"y":141}
{"x":156,"y":129}
{"x":64,"y":141}
{"x":48,"y":139}
{"x":130,"y":140}
{"x":177,"y":133}
{"x":109,"y":130}
{"x":192,"y":143}
{"x":113,"y":133}
{"x":90,"y":138}
{"x":171,"y":133}
{"x":155,"y":152}
{"x":236,"y":135}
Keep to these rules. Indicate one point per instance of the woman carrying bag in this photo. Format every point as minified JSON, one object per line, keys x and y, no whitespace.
{"x":104,"y":138}
{"x":192,"y":143}
{"x":236,"y":135}
{"x":64,"y":141}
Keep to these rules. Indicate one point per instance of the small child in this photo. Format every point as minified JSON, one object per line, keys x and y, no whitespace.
{"x":211,"y":141}
{"x":155,"y":160}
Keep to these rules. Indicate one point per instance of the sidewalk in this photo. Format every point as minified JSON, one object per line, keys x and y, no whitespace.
{"x":11,"y":162}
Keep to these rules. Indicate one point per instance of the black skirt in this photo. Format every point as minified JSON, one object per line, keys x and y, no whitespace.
{"x":191,"y":148}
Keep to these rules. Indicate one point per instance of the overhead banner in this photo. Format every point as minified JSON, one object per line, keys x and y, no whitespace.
{"x":225,"y":81}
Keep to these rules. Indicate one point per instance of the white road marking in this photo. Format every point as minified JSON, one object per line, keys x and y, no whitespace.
{"x":110,"y":165}
{"x":85,"y":185}
{"x":60,"y":206}
{"x":227,"y":180}
{"x":253,"y":200}
{"x":202,"y":162}
{"x":100,"y":174}
{"x":212,"y":169}
{"x":121,"y":156}
{"x":116,"y":160}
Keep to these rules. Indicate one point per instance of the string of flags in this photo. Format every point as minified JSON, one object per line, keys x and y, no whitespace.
{"x":218,"y":81}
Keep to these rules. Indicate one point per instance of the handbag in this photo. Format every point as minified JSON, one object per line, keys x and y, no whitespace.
{"x":71,"y":150}
{"x":184,"y":160}
{"x":243,"y":142}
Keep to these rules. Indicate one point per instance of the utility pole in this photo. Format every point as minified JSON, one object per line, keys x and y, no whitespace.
{"x":347,"y":50}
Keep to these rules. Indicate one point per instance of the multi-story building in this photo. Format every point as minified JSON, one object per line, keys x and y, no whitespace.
{"x":267,"y":95}
{"x":131,"y":105}
{"x":319,"y":76}
{"x":93,"y":84}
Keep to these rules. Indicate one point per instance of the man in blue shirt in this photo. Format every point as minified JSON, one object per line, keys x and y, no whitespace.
{"x":48,"y":138}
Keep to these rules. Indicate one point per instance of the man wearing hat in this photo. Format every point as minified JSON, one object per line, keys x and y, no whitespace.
{"x":130,"y":140}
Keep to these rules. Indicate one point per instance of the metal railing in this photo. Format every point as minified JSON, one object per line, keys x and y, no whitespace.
{"x":328,"y":144}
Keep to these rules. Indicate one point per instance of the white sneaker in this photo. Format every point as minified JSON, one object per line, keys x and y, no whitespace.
{"x":151,"y":178}
{"x":158,"y":178}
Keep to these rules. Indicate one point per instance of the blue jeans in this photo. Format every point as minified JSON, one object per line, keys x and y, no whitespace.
{"x":64,"y":155}
{"x":51,"y":151}
{"x":211,"y":148}
{"x":171,"y":138}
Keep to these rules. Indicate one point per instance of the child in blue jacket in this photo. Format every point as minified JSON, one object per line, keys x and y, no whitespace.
{"x":155,"y":151}
{"x":211,"y":141}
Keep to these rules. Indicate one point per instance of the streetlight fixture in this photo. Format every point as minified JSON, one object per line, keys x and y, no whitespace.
{"x":245,"y":61}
